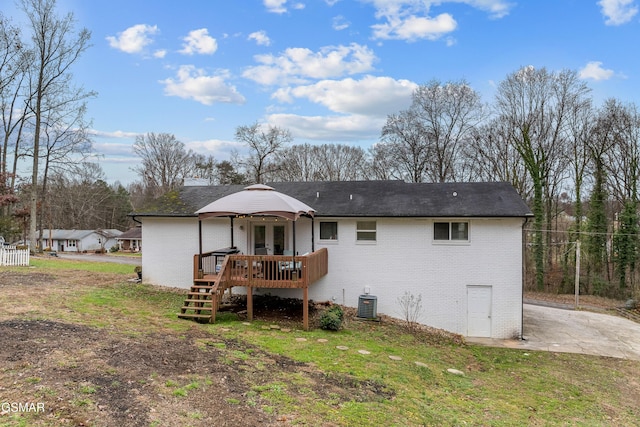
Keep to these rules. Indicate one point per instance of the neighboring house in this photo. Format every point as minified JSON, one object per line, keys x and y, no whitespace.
{"x":79,"y":240}
{"x":131,"y":240}
{"x":457,"y":245}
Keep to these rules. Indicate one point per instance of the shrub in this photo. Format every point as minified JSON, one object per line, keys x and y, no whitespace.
{"x":411,"y":309}
{"x":114,"y":248}
{"x":331,"y":319}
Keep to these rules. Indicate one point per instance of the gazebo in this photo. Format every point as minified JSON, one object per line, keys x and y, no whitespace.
{"x":256,"y":200}
{"x":260,"y":269}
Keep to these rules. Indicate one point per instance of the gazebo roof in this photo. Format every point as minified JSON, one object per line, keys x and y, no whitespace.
{"x":257,"y":199}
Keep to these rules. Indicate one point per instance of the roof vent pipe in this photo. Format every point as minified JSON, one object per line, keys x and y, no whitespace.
{"x":350,"y":196}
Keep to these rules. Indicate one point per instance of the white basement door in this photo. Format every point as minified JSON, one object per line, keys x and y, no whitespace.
{"x":479,"y":311}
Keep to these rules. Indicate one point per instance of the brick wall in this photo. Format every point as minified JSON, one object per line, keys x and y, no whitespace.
{"x":404,"y":257}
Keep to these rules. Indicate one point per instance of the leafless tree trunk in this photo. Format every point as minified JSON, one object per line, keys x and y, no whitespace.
{"x":165,"y":162}
{"x":56,"y":49}
{"x":14,"y":60}
{"x":264,"y":146}
{"x":492,"y":157}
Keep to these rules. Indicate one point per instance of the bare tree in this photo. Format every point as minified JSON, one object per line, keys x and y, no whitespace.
{"x":56,"y":48}
{"x":534,"y":104}
{"x":623,"y":157}
{"x":165,"y":162}
{"x":426,"y":140}
{"x":82,"y":199}
{"x":382,"y":164}
{"x":338,"y":162}
{"x":580,"y":130}
{"x":405,"y":142}
{"x":449,"y":114}
{"x":492,"y":157}
{"x":14,"y":61}
{"x":264,"y":146}
{"x":297,"y":164}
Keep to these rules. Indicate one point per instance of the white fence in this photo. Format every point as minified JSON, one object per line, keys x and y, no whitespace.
{"x":11,"y":256}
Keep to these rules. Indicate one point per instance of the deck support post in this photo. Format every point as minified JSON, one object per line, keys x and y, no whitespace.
{"x":249,"y":303}
{"x":232,"y":242}
{"x":199,"y":244}
{"x":214,"y":307}
{"x":305,"y":308}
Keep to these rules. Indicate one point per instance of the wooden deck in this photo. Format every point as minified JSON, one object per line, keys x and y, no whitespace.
{"x":251,"y":271}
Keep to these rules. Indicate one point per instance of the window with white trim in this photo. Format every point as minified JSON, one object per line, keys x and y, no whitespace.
{"x":366,"y":231}
{"x":451,"y":231}
{"x":329,"y":230}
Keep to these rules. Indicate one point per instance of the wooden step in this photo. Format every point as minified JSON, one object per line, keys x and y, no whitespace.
{"x":194,"y":308}
{"x":193,"y":316}
{"x":208,"y":300}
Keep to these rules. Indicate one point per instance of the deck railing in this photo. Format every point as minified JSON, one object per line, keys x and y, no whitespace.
{"x":264,"y":271}
{"x":260,"y":271}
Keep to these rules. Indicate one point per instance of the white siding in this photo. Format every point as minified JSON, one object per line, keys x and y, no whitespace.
{"x":170,"y":244}
{"x":403,"y":258}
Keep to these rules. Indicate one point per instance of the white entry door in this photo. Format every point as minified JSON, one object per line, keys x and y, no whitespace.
{"x":269,"y":238}
{"x":479,"y":311}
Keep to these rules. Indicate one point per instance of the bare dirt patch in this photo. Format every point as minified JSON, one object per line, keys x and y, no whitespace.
{"x":91,"y":376}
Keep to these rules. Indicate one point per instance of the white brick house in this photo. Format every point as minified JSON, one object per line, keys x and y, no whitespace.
{"x":458,"y":246}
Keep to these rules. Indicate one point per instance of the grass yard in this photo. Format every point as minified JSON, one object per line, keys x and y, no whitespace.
{"x":97,"y":350}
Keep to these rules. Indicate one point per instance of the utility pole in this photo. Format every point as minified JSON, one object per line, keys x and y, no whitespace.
{"x":577,"y":283}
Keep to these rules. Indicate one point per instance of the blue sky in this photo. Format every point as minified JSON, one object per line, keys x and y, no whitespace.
{"x":327,"y":70}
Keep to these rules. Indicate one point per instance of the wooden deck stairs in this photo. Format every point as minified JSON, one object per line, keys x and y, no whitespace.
{"x":203,"y":299}
{"x":199,"y":302}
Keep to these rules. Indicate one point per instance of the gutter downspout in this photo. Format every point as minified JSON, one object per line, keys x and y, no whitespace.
{"x":524,"y":275}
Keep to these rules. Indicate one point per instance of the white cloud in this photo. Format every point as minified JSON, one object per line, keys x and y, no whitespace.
{"x":199,"y":41}
{"x":340,"y":23}
{"x":496,"y":8}
{"x":133,"y":39}
{"x":260,"y":38}
{"x":413,"y":28}
{"x":114,"y":134}
{"x":160,"y":53}
{"x":618,"y":12}
{"x":275,"y":6}
{"x":279,"y":6}
{"x":377,"y":96}
{"x":217,"y":147}
{"x":300,"y":64}
{"x":109,"y":150}
{"x":194,"y":83}
{"x":594,"y":71}
{"x":411,"y":20}
{"x":359,"y":107}
{"x":329,"y":128}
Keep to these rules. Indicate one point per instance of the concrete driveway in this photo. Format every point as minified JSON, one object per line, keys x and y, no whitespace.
{"x":101,"y":258}
{"x":570,"y":331}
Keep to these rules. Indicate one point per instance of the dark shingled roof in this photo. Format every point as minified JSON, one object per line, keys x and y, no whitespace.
{"x":132,"y":233}
{"x":367,"y":198}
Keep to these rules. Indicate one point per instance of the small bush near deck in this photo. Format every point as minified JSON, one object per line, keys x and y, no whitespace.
{"x":332,"y":318}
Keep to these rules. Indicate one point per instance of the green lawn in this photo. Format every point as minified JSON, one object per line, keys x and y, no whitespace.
{"x":500,"y":387}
